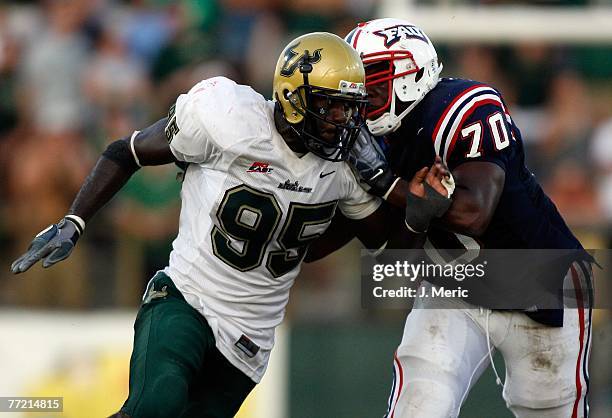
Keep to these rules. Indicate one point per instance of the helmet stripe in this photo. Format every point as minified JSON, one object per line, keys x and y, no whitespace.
{"x":349,"y":37}
{"x":356,"y":38}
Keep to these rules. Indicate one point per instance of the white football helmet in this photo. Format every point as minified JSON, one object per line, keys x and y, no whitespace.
{"x":402,"y":56}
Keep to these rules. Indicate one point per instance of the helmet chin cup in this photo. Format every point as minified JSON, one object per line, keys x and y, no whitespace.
{"x":384,"y":124}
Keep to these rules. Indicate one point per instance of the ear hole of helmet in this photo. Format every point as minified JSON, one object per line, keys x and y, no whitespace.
{"x":293,"y":98}
{"x":419,"y":75}
{"x":295,"y":101}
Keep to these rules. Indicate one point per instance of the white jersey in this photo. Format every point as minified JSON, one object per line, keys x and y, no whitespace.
{"x":250,"y":206}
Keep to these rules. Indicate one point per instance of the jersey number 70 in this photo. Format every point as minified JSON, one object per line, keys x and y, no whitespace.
{"x":499,"y":132}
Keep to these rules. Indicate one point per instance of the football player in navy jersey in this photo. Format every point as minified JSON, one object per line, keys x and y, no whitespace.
{"x":497,"y":203}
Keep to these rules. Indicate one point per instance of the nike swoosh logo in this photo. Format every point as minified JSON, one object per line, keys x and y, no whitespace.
{"x":321,"y":175}
{"x":378,"y":173}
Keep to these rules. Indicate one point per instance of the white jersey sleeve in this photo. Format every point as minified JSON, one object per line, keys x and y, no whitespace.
{"x":208,"y":119}
{"x":191,"y":142}
{"x":357,"y":203}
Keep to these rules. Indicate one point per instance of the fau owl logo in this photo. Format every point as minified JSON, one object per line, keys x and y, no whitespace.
{"x":398,"y":32}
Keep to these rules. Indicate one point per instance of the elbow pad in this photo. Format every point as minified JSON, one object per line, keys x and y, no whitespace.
{"x":120,"y":152}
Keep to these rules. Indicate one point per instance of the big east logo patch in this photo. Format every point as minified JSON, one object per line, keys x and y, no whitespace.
{"x":397,"y":33}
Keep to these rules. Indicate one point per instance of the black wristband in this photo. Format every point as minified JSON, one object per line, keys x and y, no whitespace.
{"x":421,"y":210}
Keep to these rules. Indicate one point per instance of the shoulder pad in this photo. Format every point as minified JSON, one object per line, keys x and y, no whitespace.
{"x":229,"y":112}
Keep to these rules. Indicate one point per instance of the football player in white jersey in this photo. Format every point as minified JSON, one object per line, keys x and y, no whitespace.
{"x":263,"y":179}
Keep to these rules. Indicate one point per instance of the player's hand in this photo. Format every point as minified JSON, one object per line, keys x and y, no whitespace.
{"x":369,"y":163}
{"x":53,"y":244}
{"x":429,"y":196}
{"x":438,"y":176}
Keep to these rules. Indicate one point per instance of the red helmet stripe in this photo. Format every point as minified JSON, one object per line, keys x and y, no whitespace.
{"x":356,"y":39}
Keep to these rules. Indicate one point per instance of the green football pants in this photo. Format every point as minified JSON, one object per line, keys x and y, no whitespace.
{"x":175,"y":369}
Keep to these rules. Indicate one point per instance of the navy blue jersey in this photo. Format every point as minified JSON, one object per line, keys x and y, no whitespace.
{"x":463,"y":121}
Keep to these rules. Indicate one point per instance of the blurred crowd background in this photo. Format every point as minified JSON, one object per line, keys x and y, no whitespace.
{"x":77,"y":74}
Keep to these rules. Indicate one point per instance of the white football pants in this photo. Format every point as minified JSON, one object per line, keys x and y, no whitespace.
{"x":444,"y":351}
